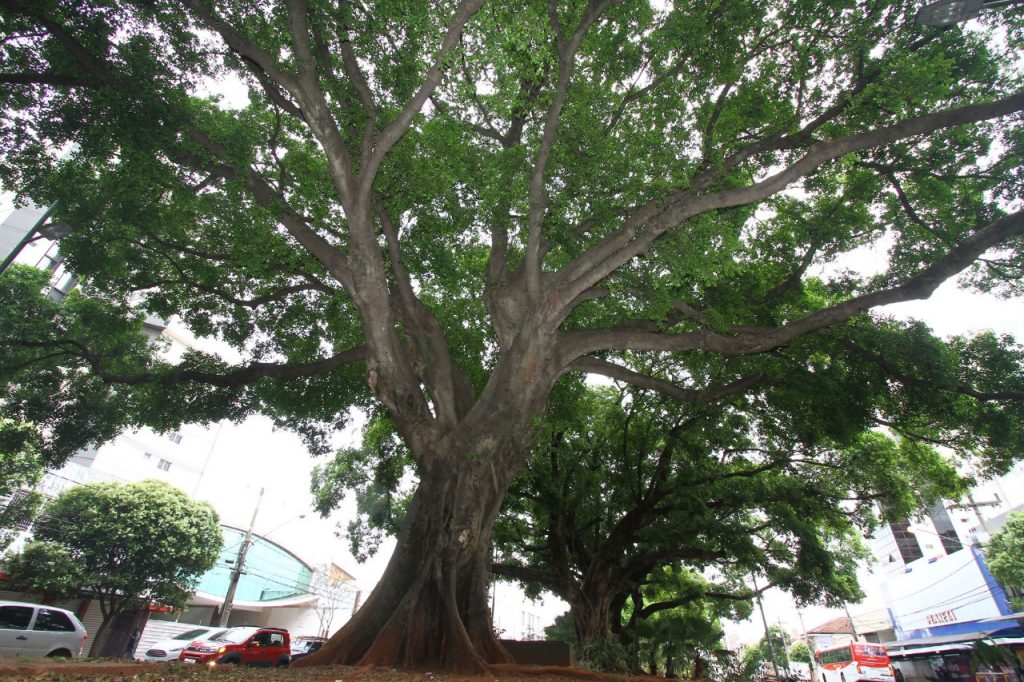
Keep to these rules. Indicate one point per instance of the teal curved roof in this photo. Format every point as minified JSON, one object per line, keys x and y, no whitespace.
{"x":271,"y":572}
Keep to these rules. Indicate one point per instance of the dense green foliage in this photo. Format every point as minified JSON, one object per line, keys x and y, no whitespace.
{"x":126,"y":545}
{"x":638,"y":482}
{"x":1004,"y":552}
{"x":799,"y":651}
{"x":156,"y":215}
{"x":684,"y":637}
{"x":629,"y":488}
{"x":450,"y":212}
{"x":21,"y":467}
{"x":67,"y":414}
{"x":669,"y":641}
{"x":768,"y":652}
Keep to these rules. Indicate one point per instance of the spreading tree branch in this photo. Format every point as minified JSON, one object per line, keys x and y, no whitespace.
{"x":649,"y":221}
{"x":923,"y":284}
{"x":240,"y":376}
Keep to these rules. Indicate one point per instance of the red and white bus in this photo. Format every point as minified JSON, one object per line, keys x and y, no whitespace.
{"x":853,"y":662}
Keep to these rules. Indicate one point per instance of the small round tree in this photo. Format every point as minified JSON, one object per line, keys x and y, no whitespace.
{"x":126,"y":545}
{"x":1005,"y":552}
{"x":800,"y":652}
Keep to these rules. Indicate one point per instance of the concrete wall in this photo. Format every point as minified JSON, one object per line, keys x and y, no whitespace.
{"x":539,"y":652}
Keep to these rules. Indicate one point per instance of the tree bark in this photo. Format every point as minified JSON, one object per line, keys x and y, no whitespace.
{"x":99,"y":640}
{"x":118,"y":634}
{"x":430,"y":609}
{"x":591,"y":615}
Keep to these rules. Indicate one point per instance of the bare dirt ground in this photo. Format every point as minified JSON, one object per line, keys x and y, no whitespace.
{"x":118,"y":671}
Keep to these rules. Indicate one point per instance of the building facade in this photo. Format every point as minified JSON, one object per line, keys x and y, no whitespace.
{"x":932,"y":570}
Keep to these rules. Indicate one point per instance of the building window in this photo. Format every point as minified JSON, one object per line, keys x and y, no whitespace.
{"x":944,"y":528}
{"x":16,"y":499}
{"x":175,"y":437}
{"x":906,"y":543}
{"x":164,"y":465}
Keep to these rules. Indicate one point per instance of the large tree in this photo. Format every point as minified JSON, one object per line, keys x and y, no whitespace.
{"x":637,"y":485}
{"x":126,"y":545}
{"x":778,"y":483}
{"x":439,"y":209}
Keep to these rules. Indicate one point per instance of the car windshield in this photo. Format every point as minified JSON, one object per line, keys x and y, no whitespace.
{"x":192,"y":634}
{"x":234,"y":635}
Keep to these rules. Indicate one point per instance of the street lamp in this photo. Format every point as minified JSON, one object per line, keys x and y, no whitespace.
{"x":52,"y":231}
{"x":949,"y":12}
{"x":297,"y":516}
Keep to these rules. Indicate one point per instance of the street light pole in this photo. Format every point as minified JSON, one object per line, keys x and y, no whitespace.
{"x":807,"y":642}
{"x":767,"y":632}
{"x":40,"y":228}
{"x":236,"y":574}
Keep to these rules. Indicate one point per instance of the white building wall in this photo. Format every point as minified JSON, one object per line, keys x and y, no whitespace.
{"x":943,"y":592}
{"x":994,"y":497}
{"x":177,"y":458}
{"x":306,"y":621}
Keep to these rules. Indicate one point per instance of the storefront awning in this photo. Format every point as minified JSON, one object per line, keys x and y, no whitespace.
{"x":964,"y":640}
{"x":1010,"y":617}
{"x":932,"y":650}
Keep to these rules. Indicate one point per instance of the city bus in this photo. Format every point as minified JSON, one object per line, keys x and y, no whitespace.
{"x":853,"y":662}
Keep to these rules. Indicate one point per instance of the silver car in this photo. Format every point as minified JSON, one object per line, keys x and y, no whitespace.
{"x":39,"y":630}
{"x":168,"y":649}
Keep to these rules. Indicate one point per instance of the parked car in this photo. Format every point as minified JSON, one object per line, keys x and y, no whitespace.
{"x":170,"y":649}
{"x":305,"y":645}
{"x":246,"y":645}
{"x":39,"y":630}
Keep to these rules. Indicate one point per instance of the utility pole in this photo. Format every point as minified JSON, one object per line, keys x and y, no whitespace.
{"x":229,"y":598}
{"x":976,"y":506}
{"x":807,"y":641}
{"x":853,"y":628}
{"x":767,"y":632}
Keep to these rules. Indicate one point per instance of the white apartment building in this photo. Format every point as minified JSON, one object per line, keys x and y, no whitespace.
{"x":932,"y":570}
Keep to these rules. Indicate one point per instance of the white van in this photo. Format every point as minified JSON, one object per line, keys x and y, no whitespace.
{"x":38,"y":630}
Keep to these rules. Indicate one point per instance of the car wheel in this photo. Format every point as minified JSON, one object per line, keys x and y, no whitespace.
{"x":59,"y":653}
{"x":282,"y":663}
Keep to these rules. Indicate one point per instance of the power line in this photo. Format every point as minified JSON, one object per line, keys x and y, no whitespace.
{"x":928,"y":587}
{"x":978,"y":589}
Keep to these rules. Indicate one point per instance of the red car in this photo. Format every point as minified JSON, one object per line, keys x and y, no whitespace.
{"x":246,"y":645}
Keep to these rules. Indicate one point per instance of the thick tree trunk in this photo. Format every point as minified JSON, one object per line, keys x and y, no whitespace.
{"x":99,"y":639}
{"x":120,"y":635}
{"x":591,"y":616}
{"x":430,"y":609}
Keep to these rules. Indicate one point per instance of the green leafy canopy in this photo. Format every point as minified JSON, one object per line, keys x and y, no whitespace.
{"x":128,"y":545}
